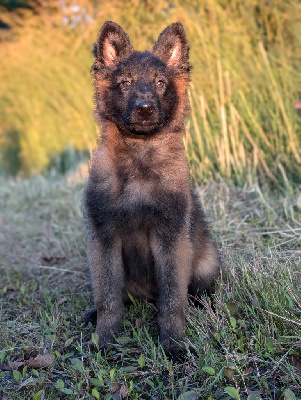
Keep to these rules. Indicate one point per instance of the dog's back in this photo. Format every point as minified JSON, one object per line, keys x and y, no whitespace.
{"x":146,"y":232}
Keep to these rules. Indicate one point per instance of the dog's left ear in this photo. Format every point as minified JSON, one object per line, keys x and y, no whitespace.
{"x":172,"y":46}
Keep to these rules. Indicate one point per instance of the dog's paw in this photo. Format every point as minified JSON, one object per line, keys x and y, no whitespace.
{"x":91,"y":316}
{"x":179,"y":353}
{"x":94,"y":348}
{"x":176,"y":353}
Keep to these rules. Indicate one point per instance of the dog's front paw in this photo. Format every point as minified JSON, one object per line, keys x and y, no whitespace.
{"x":94,"y":347}
{"x":176,"y":352}
{"x":101,"y":341}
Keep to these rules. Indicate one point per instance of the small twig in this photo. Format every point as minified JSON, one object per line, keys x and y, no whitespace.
{"x":61,"y":269}
{"x":283,"y":231}
{"x":282,"y":243}
{"x":280,"y":316}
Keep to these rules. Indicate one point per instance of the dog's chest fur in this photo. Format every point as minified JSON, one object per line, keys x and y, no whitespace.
{"x":140,"y":186}
{"x":138,"y":174}
{"x":140,"y":171}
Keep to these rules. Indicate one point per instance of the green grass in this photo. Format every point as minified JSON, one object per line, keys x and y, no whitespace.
{"x":246,"y":80}
{"x":250,"y":347}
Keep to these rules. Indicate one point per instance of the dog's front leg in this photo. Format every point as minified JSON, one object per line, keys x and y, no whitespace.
{"x":173,"y":265}
{"x":108,"y":284}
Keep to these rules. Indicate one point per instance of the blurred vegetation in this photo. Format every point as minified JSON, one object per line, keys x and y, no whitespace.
{"x":13,"y":4}
{"x":244,"y":124}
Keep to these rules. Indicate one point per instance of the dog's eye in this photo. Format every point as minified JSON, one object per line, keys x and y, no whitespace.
{"x":160,"y":84}
{"x":126,"y":83}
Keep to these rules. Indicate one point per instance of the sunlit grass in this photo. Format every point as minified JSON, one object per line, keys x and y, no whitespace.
{"x":243,"y":125}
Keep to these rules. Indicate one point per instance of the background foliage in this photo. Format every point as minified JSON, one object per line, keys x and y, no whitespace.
{"x":244,"y":122}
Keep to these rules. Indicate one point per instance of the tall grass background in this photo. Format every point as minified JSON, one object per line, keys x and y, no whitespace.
{"x":244,"y":124}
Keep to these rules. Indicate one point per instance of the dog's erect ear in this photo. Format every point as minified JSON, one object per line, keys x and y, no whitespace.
{"x":172,"y":46}
{"x":112,"y":45}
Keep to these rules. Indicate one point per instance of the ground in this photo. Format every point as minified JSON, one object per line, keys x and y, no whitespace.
{"x":248,"y":348}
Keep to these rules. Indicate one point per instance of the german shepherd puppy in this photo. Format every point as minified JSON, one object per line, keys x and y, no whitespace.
{"x":146,"y":231}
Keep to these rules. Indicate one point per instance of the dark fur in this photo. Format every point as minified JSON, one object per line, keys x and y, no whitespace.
{"x":146,"y":231}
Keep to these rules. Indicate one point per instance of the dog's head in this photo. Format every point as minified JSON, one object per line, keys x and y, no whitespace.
{"x":141,"y":92}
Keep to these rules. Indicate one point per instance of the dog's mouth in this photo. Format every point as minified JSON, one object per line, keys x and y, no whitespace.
{"x":142,"y":117}
{"x":143,"y":127}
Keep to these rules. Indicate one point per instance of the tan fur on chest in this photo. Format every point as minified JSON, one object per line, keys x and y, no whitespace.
{"x":138,"y":191}
{"x":137,"y":170}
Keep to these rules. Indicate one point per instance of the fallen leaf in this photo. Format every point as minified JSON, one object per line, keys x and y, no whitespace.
{"x":11,"y":365}
{"x":54,"y":260}
{"x":115,"y":388}
{"x":123,"y":391}
{"x":294,"y":364}
{"x":40,"y":361}
{"x":229,"y":372}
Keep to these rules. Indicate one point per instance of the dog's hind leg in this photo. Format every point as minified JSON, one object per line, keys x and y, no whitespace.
{"x":205,"y":268}
{"x":91,"y":316}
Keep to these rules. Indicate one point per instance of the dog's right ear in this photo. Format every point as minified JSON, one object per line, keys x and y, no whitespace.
{"x":112,"y":44}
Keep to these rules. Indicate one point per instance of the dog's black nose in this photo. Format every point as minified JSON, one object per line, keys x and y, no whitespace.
{"x":145,"y":108}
